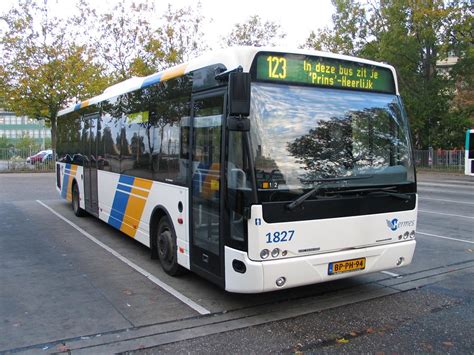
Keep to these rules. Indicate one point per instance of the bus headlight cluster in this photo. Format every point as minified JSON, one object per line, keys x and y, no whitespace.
{"x":275,"y":253}
{"x":407,"y":235}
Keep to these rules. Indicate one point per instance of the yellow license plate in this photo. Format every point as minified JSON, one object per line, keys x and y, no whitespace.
{"x":346,"y":265}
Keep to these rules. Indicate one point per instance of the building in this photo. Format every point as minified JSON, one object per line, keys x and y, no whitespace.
{"x":444,"y":66}
{"x":15,"y":127}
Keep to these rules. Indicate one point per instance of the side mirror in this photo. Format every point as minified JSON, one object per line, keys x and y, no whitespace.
{"x":239,"y":94}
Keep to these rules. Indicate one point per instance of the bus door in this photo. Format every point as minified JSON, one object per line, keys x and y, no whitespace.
{"x":90,"y":123}
{"x":206,"y":188}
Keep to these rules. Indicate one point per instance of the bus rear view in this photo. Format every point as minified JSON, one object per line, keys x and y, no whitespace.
{"x":334,"y":191}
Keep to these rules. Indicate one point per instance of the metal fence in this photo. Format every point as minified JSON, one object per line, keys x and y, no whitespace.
{"x":437,"y":159}
{"x":24,"y":160}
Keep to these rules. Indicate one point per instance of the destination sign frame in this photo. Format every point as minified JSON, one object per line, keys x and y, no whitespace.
{"x":318,"y":71}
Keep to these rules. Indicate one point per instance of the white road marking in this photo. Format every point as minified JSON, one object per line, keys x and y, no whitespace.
{"x":198,"y":308}
{"x":443,"y":237}
{"x":390,"y":273}
{"x":443,"y":200}
{"x":466,"y":186}
{"x":445,"y":214}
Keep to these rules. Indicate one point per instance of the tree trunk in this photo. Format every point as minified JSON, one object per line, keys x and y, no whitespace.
{"x":53,"y":120}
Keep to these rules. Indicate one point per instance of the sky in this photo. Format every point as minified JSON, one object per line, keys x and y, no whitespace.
{"x":297,"y":17}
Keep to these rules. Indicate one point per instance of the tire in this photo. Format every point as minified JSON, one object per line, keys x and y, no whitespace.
{"x":167,"y":248}
{"x":76,"y":207}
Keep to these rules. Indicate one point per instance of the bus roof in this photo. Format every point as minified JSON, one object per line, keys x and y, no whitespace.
{"x":230,"y":57}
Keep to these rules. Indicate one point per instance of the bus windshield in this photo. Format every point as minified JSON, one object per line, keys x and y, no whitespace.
{"x":301,"y":135}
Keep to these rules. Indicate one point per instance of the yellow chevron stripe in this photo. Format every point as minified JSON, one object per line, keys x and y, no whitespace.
{"x":135,"y":206}
{"x":69,"y":183}
{"x":173,"y":72}
{"x":84,"y":103}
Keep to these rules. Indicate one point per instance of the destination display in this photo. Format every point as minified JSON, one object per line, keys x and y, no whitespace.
{"x":321,"y":71}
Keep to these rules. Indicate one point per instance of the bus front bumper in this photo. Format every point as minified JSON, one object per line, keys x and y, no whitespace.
{"x":262,"y":276}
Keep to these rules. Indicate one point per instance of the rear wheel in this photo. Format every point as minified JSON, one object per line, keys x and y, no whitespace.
{"x":167,"y":248}
{"x":76,"y":207}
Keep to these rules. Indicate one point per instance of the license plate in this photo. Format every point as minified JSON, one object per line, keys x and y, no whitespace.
{"x":346,"y":265}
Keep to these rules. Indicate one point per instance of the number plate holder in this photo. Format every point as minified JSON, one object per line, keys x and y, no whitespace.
{"x":338,"y":267}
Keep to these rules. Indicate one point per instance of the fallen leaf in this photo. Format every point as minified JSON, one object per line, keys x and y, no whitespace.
{"x":342,"y":341}
{"x":354,"y":334}
{"x":127,"y":292}
{"x":63,"y":348}
{"x":427,"y":346}
{"x":448,"y":343}
{"x":370,"y":330}
{"x":297,"y":347}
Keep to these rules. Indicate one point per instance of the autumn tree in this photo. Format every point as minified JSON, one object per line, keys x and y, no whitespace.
{"x":180,"y":36}
{"x":117,"y":36}
{"x":255,"y":32}
{"x":348,"y":33}
{"x":413,"y":36}
{"x":43,"y":69}
{"x":129,"y":44}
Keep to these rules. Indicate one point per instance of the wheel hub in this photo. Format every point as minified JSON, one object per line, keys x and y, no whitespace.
{"x":164,"y":245}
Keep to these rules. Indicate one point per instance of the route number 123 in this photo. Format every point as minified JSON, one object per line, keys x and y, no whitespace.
{"x":276,"y":67}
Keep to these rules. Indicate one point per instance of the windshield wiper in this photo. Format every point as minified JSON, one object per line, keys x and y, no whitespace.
{"x":389,"y":190}
{"x":321,"y":182}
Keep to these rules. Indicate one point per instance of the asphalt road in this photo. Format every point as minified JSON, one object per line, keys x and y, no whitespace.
{"x":79,"y":285}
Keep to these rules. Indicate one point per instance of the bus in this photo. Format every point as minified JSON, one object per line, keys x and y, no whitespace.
{"x":255,"y":168}
{"x":469,"y":153}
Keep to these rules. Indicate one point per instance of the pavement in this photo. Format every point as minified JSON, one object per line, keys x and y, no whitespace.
{"x":436,"y":318}
{"x":78,"y":285}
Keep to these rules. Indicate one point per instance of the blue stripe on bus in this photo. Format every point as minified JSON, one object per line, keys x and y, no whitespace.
{"x":118,"y":209}
{"x":151,"y":80}
{"x":120,"y":201}
{"x":125,"y":179}
{"x":124,"y":188}
{"x":467,"y":139}
{"x":65,"y":181}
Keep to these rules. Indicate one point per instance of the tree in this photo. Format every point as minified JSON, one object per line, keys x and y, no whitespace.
{"x":349,"y":31}
{"x":118,"y":36}
{"x":128,"y":44}
{"x":180,"y":36}
{"x":27,"y":143}
{"x":4,"y":143}
{"x":44,"y":70}
{"x":412,"y":35}
{"x":255,"y":32}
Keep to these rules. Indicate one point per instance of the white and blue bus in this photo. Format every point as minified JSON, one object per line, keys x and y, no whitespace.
{"x":256,"y":168}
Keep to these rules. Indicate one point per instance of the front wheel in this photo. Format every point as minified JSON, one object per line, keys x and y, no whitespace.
{"x":76,"y":207}
{"x":167,"y":248}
